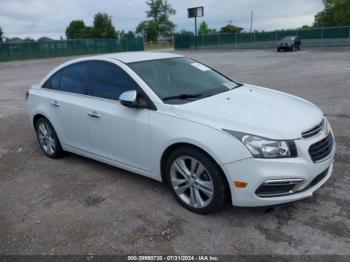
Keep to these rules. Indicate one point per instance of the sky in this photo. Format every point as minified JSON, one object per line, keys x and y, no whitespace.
{"x":36,"y":18}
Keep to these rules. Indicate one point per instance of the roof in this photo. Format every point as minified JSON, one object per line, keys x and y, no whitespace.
{"x":129,"y":57}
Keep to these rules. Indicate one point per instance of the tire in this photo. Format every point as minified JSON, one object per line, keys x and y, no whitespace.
{"x":47,"y":138}
{"x":202,"y":190}
{"x":278,"y":50}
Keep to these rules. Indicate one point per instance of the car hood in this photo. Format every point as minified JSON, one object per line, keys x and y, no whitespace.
{"x":254,"y":110}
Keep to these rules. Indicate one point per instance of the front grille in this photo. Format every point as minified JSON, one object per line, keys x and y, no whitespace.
{"x":321,"y":149}
{"x":313,"y":131}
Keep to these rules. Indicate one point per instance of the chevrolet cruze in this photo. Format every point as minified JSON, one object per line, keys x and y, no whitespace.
{"x":173,"y":119}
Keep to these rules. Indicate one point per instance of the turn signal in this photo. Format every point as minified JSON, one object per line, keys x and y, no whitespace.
{"x":240,"y":184}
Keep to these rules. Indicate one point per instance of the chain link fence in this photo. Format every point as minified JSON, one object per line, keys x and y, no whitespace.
{"x":30,"y":50}
{"x":315,"y":37}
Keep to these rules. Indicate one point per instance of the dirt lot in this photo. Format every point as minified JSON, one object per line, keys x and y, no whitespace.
{"x":78,"y":206}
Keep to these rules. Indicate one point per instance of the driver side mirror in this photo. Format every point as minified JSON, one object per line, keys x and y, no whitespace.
{"x":130,"y":99}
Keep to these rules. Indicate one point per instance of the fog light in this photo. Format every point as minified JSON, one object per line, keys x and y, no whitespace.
{"x":240,"y":184}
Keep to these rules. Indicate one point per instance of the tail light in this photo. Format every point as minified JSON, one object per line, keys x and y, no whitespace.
{"x":27,"y":95}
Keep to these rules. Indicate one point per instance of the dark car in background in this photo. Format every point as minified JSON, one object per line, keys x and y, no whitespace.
{"x":289,"y":43}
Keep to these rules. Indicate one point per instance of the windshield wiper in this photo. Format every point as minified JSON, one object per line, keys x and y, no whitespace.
{"x":182,"y":96}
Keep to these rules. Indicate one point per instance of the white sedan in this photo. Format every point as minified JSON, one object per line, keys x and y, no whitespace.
{"x":173,"y":119}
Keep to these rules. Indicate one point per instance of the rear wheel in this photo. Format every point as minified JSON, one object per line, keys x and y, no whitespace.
{"x":48,"y":139}
{"x":195,"y":180}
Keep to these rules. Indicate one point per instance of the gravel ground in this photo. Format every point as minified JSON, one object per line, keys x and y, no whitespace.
{"x":76,"y":205}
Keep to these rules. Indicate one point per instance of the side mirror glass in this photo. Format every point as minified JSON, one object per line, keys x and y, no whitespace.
{"x":129,"y":99}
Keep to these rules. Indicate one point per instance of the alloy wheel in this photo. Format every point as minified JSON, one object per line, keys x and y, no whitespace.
{"x":192,"y":182}
{"x":46,"y":138}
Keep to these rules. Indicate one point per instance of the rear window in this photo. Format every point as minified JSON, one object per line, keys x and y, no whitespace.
{"x":74,"y":78}
{"x":53,"y":82}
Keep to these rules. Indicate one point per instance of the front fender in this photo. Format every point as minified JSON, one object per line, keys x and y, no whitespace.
{"x":171,"y":129}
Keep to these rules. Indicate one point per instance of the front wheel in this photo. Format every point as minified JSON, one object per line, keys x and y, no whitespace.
{"x":196,"y":180}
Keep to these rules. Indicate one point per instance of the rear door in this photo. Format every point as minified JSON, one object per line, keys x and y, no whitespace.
{"x":66,"y":97}
{"x":118,"y":133}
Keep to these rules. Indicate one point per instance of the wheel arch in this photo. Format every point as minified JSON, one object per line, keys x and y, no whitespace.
{"x":172,"y":147}
{"x":37,"y":117}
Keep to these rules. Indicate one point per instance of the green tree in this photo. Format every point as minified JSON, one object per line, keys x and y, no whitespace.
{"x":13,"y":39}
{"x":185,"y":33}
{"x":336,"y":13}
{"x":130,"y":35}
{"x":75,"y":29}
{"x":28,"y":39}
{"x":159,"y":24}
{"x":148,"y":30}
{"x":103,"y":26}
{"x":204,"y":29}
{"x":44,"y":39}
{"x":306,"y":27}
{"x":1,"y":34}
{"x":230,"y":29}
{"x":87,"y":33}
{"x":126,"y":35}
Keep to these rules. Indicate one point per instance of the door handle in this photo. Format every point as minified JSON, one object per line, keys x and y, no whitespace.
{"x":93,"y":114}
{"x":55,"y":103}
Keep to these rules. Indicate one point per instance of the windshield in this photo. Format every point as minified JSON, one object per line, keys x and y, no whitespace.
{"x":181,"y":80}
{"x":288,"y":38}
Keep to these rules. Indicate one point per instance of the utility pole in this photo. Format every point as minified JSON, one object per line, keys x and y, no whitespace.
{"x":251,"y":21}
{"x":195,"y":26}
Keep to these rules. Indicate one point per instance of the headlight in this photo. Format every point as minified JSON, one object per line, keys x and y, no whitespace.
{"x":261,"y":147}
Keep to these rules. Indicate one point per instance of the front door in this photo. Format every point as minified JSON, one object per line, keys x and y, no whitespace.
{"x":118,"y":133}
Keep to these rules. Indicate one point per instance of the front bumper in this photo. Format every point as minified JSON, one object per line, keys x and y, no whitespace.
{"x":283,"y":46}
{"x":255,"y":172}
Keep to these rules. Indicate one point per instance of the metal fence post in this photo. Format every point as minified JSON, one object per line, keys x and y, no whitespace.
{"x":75,"y":47}
{"x":10,"y":51}
{"x":321,"y":42}
{"x":30,"y":49}
{"x":254,"y":40}
{"x":236,"y":40}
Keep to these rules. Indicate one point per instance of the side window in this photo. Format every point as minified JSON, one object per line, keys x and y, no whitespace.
{"x":74,"y":78}
{"x":109,"y":81}
{"x":53,"y":82}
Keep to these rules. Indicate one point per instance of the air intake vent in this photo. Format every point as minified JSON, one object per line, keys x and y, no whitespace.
{"x":321,"y":149}
{"x":313,"y":131}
